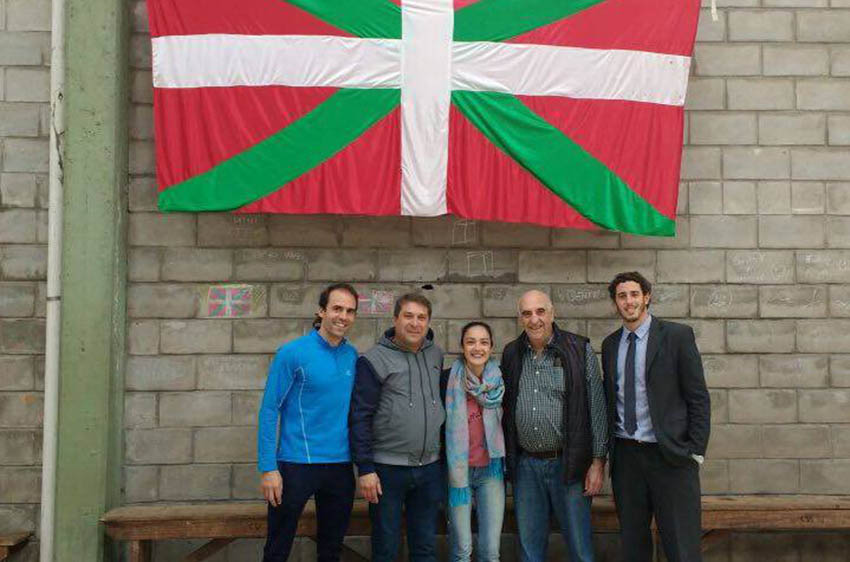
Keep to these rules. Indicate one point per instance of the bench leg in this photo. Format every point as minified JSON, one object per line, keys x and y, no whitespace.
{"x":140,"y":551}
{"x":207,"y":550}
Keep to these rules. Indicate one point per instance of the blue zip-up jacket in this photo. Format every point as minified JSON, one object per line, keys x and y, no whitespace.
{"x":308,"y":391}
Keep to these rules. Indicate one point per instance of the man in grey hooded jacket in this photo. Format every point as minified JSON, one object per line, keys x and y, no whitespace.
{"x":395,"y":422}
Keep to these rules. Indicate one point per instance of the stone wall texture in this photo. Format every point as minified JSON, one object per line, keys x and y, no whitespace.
{"x":760,"y":269}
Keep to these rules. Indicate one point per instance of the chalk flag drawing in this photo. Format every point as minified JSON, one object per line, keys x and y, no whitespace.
{"x":377,"y":302}
{"x":463,"y":232}
{"x":231,"y":301}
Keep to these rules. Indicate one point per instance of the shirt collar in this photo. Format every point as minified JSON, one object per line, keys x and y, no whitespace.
{"x":641,"y":330}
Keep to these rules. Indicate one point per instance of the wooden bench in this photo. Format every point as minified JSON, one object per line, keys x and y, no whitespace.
{"x":12,"y":542}
{"x":222,"y":523}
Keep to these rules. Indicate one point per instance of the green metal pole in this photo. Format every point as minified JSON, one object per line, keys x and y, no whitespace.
{"x":91,"y":385}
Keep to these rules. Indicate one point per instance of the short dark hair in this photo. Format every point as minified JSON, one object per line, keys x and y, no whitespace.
{"x":411,"y":297}
{"x":473,"y":324}
{"x":625,"y":277}
{"x":325,"y":296}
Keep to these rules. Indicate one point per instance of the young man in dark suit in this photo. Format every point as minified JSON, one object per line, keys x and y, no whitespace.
{"x":659,"y":416}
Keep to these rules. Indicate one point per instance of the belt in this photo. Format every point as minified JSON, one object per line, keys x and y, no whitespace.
{"x":636,"y":442}
{"x":545,"y":455}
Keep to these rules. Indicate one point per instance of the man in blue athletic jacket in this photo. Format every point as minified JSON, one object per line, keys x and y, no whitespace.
{"x":307,"y":397}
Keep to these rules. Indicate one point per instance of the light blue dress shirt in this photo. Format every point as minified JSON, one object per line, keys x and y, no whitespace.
{"x":644,"y":431}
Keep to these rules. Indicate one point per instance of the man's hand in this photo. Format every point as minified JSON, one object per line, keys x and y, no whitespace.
{"x":271,"y":484}
{"x":594,"y":477}
{"x":370,"y":486}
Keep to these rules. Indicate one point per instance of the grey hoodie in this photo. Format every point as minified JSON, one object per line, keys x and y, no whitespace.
{"x":402,"y":394}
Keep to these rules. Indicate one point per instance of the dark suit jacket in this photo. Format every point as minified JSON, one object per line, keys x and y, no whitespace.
{"x":679,"y":404}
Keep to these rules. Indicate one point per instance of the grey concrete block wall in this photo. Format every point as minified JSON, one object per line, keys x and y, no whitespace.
{"x":760,"y":269}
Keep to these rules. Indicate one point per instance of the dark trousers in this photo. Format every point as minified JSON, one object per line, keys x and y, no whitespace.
{"x":646,"y":484}
{"x":417,"y":491}
{"x":332,"y":485}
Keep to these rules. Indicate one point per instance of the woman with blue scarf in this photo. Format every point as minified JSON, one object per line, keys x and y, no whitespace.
{"x":475,"y":446}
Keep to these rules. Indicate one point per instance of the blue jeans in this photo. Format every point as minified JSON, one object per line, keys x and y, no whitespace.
{"x":488,"y":493}
{"x":539,"y":489}
{"x":418,"y":491}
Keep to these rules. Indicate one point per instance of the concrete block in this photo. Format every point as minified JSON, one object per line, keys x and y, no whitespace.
{"x":142,"y":159}
{"x":445,"y":231}
{"x":28,"y":15}
{"x":807,"y":198}
{"x":195,"y":482}
{"x":18,"y":447}
{"x":799,"y":301}
{"x":158,"y":446}
{"x":17,"y":300}
{"x":141,"y":484}
{"x":143,"y":337}
{"x":18,"y":190}
{"x":793,"y":371}
{"x":483,"y":266}
{"x":501,"y":300}
{"x":342,"y":265}
{"x":724,"y":301}
{"x":144,"y":264}
{"x":604,"y":265}
{"x":376,"y":232}
{"x":719,"y":405}
{"x":22,"y":48}
{"x":839,"y":130}
{"x":580,"y":239}
{"x":705,"y":198}
{"x":764,"y":476}
{"x":796,"y":441}
{"x":269,"y":265}
{"x":709,"y":30}
{"x":680,"y":240}
{"x":710,"y":335}
{"x":160,"y":373}
{"x":197,"y":264}
{"x":706,"y":93}
{"x":160,"y":229}
{"x":823,"y":94}
{"x":141,"y":122}
{"x":304,"y":230}
{"x":246,"y":407}
{"x":731,"y":371}
{"x":838,"y":232}
{"x":841,"y":440}
{"x":582,"y":301}
{"x":762,"y":406}
{"x":22,"y":335}
{"x":25,"y":155}
{"x":714,"y":479}
{"x":670,"y":301}
{"x":232,"y":230}
{"x":362,"y":335}
{"x":246,"y":482}
{"x":823,"y":336}
{"x":793,"y":129}
{"x":795,"y":60}
{"x":455,"y":301}
{"x":141,"y":86}
{"x":820,"y":164}
{"x":139,"y":410}
{"x":700,"y":163}
{"x":149,"y":300}
{"x":598,"y":330}
{"x":423,"y":266}
{"x":712,"y":127}
{"x":194,"y":409}
{"x":292,"y":300}
{"x":513,"y":235}
{"x":28,"y":84}
{"x":797,"y":231}
{"x":735,"y":441}
{"x":23,"y":262}
{"x":760,"y":336}
{"x":553,"y":267}
{"x":724,"y":231}
{"x":20,"y":484}
{"x":17,"y":372}
{"x":761,"y":25}
{"x":19,"y":120}
{"x":263,"y":336}
{"x":774,"y":198}
{"x":825,"y":476}
{"x":195,"y":336}
{"x":726,"y":60}
{"x":825,"y":405}
{"x":232,"y":372}
{"x":825,"y":266}
{"x":740,"y":198}
{"x":226,"y":444}
{"x":690,"y":266}
{"x":823,"y":26}
{"x":763,"y":94}
{"x":839,"y":301}
{"x":756,"y":163}
{"x":839,"y":370}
